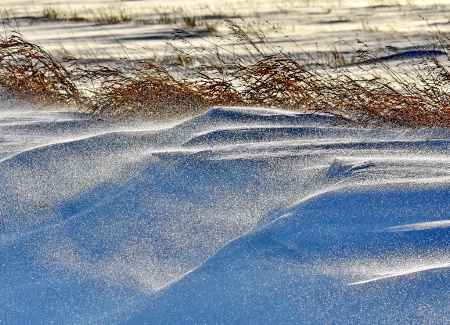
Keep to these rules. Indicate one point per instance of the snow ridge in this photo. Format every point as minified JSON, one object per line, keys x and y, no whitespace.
{"x":255,"y":215}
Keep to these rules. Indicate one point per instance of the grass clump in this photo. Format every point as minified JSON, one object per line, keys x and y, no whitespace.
{"x":29,"y":72}
{"x":176,"y":16}
{"x":148,"y":91}
{"x":411,"y":93}
{"x":107,"y":15}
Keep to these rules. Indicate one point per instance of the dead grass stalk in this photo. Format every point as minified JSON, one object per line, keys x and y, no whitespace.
{"x":414,"y":96}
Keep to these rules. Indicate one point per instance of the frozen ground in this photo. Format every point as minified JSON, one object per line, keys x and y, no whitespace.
{"x":234,"y":216}
{"x":239,"y":215}
{"x":320,"y":28}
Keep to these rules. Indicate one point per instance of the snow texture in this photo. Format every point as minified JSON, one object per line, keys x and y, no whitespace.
{"x":239,"y":215}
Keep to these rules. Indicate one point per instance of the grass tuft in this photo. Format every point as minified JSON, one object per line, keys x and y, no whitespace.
{"x":148,"y":92}
{"x":29,"y":72}
{"x":411,"y":93}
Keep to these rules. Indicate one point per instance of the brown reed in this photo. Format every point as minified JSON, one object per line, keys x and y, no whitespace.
{"x":413,"y":97}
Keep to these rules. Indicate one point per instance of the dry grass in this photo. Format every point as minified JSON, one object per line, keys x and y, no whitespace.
{"x":175,"y":16}
{"x":29,"y":72}
{"x":414,"y":94}
{"x":148,"y":91}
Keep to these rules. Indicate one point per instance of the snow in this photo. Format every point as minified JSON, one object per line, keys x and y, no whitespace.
{"x":319,"y":28}
{"x":237,"y":215}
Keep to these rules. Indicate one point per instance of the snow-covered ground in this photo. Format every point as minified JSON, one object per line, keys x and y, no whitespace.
{"x":325,"y":27}
{"x":235,"y":216}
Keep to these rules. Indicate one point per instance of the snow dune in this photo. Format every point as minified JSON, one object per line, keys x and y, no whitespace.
{"x":239,"y":215}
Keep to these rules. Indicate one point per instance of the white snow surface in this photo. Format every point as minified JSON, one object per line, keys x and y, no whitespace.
{"x":236,"y":216}
{"x":309,"y":29}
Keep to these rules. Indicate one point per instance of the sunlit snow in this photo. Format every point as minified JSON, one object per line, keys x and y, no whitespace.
{"x":235,"y":216}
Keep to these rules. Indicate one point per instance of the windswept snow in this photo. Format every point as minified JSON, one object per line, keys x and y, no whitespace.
{"x":235,"y":216}
{"x":239,"y":215}
{"x":422,"y":226}
{"x":322,"y":30}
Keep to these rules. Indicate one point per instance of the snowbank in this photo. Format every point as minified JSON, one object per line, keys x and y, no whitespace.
{"x":235,"y":216}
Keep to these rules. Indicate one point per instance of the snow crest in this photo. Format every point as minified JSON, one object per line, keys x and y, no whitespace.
{"x":237,"y":215}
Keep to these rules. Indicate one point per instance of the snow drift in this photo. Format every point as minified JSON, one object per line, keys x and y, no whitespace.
{"x":234,"y":216}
